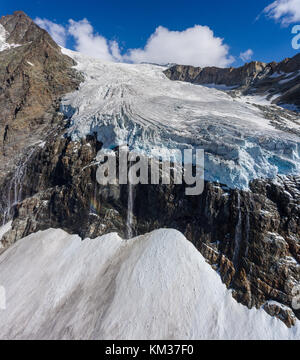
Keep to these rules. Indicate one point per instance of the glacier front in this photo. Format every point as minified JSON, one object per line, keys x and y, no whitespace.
{"x":139,"y":106}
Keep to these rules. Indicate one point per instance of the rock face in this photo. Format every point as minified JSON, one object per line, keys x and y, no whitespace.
{"x":33,"y":76}
{"x":49,"y":181}
{"x":213,"y":75}
{"x":282,"y":312}
{"x":250,"y":237}
{"x":20,"y":28}
{"x":279,"y":80}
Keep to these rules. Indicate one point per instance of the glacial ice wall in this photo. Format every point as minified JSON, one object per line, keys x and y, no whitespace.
{"x":137,"y":105}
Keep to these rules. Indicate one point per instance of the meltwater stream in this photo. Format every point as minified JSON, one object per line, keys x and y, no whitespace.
{"x":15,"y":187}
{"x":238,"y":233}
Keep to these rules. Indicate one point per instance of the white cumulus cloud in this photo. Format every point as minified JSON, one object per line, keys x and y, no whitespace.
{"x":194,"y":46}
{"x":58,"y":32}
{"x":285,"y":11}
{"x":246,"y":55}
{"x":92,"y":44}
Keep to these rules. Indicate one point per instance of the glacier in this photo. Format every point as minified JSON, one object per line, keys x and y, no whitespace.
{"x":137,"y":105}
{"x":59,"y":287}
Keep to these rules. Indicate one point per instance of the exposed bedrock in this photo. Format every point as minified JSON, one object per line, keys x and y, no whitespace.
{"x":277,"y":80}
{"x":250,"y":237}
{"x":33,"y":77}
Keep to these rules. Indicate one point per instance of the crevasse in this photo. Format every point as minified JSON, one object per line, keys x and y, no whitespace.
{"x":139,"y":106}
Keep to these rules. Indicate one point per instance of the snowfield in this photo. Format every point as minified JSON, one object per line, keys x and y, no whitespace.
{"x":139,"y":106}
{"x":156,"y":286}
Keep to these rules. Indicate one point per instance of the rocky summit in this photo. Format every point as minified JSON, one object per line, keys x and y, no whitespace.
{"x":60,"y":108}
{"x":278,"y":82}
{"x":34,"y":74}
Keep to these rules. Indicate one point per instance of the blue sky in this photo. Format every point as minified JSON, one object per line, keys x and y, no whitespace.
{"x":130,"y":23}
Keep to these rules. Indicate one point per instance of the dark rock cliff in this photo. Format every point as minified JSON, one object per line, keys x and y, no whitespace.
{"x":213,"y":75}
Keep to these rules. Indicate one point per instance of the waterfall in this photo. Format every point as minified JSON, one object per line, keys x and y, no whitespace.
{"x":94,"y":202}
{"x":238,"y":234}
{"x":129,"y":211}
{"x":247,"y":230}
{"x":15,"y":187}
{"x":247,"y":225}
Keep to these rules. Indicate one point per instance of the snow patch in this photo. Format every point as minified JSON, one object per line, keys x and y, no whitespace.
{"x":3,"y":36}
{"x":288,"y":79}
{"x":42,"y":144}
{"x":276,"y":75}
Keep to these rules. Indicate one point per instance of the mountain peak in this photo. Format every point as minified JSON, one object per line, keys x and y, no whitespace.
{"x":33,"y":75}
{"x":20,"y":28}
{"x":20,"y":13}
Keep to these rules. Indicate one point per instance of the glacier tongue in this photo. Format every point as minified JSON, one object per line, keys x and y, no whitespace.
{"x":138,"y":105}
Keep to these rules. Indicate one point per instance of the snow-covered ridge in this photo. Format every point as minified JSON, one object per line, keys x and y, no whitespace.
{"x":140,"y":106}
{"x":156,"y":286}
{"x":3,"y":36}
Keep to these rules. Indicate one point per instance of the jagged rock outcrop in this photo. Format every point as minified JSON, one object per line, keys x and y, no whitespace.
{"x":213,"y":75}
{"x":21,"y":29}
{"x":280,"y":311}
{"x":33,"y":76}
{"x":279,"y":80}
